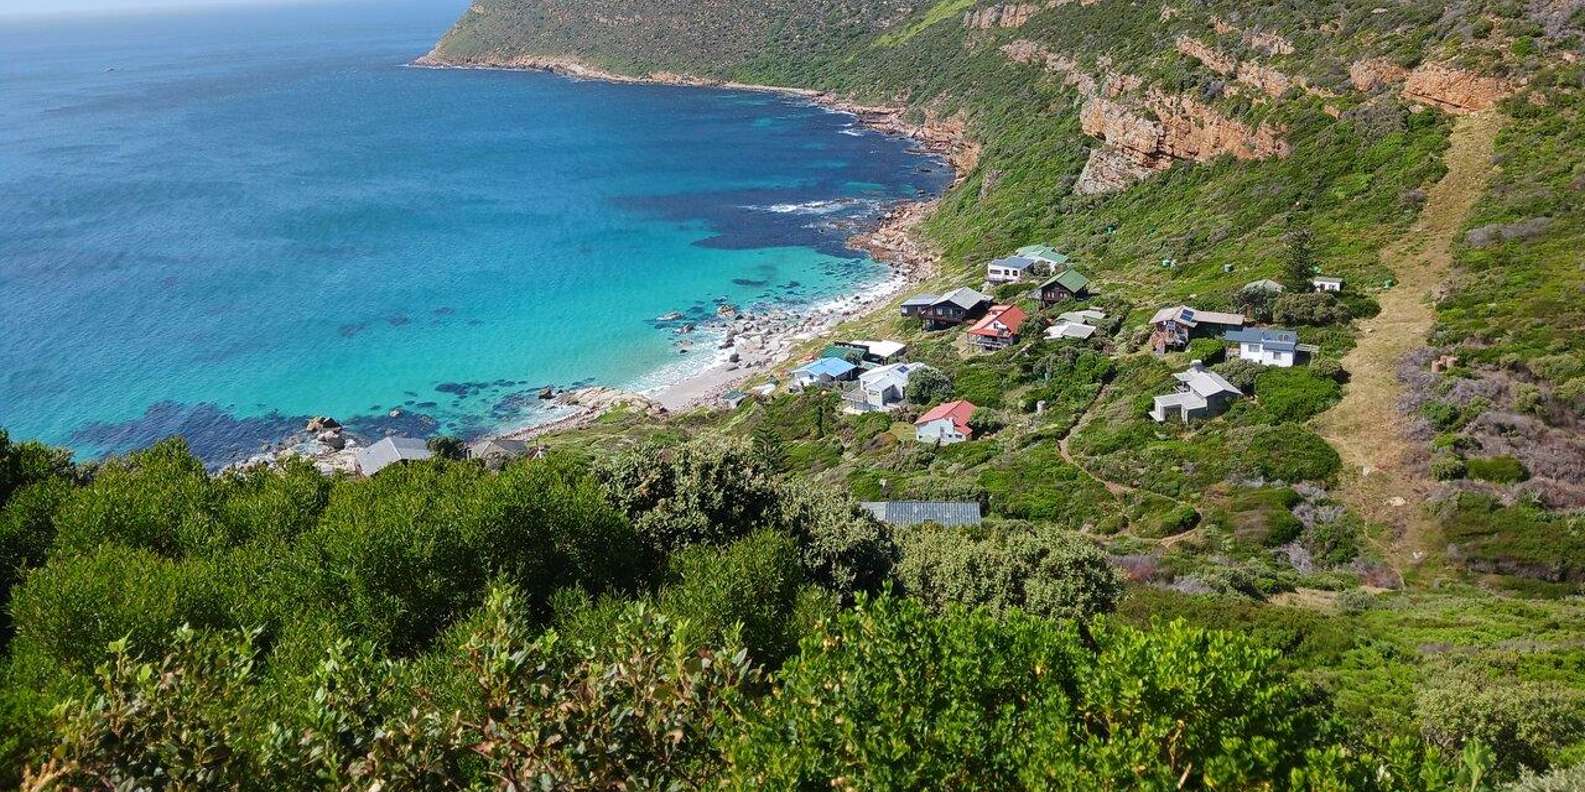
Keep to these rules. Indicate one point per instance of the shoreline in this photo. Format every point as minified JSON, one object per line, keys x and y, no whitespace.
{"x":751,"y":344}
{"x":764,"y":343}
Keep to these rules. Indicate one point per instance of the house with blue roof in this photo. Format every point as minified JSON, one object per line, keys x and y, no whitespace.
{"x":1008,"y":270}
{"x":822,"y":372}
{"x":1269,"y":346}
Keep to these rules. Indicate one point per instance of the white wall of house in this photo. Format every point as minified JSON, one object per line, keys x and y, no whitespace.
{"x":1003,"y":275}
{"x":1257,"y":352}
{"x":941,"y":430}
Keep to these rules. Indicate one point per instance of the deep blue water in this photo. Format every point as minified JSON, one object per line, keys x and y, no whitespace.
{"x":214,"y":224}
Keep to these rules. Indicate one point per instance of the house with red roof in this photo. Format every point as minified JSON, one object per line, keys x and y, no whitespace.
{"x":945,"y":424}
{"x":999,"y":328}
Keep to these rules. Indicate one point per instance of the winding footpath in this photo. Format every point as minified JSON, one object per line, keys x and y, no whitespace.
{"x":1379,"y":480}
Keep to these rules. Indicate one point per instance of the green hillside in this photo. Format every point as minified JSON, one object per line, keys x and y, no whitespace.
{"x":1366,"y":574}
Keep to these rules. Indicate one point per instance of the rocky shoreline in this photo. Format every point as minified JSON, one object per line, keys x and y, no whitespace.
{"x":750,"y":344}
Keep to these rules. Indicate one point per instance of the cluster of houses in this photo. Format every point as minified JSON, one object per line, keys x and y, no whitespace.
{"x":996,"y":326}
{"x":1203,"y":393}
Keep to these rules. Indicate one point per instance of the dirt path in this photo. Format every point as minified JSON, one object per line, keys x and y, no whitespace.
{"x":1378,"y":481}
{"x":1118,"y":490}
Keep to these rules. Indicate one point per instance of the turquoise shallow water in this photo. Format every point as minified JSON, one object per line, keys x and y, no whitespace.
{"x":216,"y":224}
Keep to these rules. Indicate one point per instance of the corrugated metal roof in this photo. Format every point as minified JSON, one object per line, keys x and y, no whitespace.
{"x":921,"y":512}
{"x":388,"y":452}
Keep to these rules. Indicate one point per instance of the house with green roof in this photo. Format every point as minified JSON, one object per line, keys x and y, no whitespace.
{"x":1044,"y":254}
{"x":1069,"y":284}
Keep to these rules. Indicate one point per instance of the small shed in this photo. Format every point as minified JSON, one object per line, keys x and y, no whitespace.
{"x":732,"y":399}
{"x":497,"y":451}
{"x":1327,"y":283}
{"x":1202,"y":393}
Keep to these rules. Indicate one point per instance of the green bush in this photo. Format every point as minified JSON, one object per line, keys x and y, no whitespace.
{"x":1498,"y":469}
{"x":1290,"y":453}
{"x":929,"y":386}
{"x":1523,"y":722}
{"x":748,"y":590}
{"x":1313,"y":308}
{"x":840,"y":546}
{"x":1448,"y":467}
{"x":971,"y":699}
{"x":1294,"y":394}
{"x":1209,"y":351}
{"x":1044,"y":571}
{"x":701,"y":492}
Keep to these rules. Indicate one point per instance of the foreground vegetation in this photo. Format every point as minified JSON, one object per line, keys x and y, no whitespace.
{"x":444,"y":626}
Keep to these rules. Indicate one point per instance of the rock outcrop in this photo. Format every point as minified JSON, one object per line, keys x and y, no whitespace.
{"x":1012,"y":15}
{"x":1372,"y":73}
{"x":1145,"y":131}
{"x":1452,"y":89}
{"x":1266,"y":79}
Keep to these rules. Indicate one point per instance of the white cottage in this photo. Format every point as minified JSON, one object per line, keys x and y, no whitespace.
{"x":887,"y":386}
{"x":1269,"y":346}
{"x":1201,"y":393}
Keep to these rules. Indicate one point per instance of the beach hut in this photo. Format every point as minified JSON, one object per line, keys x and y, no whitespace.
{"x":1269,"y":346}
{"x":1044,"y":254}
{"x":1068,"y":284}
{"x":1173,"y":327}
{"x":999,"y":328}
{"x":885,"y":387}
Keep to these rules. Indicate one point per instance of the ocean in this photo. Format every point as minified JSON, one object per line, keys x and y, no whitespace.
{"x":215,"y":224}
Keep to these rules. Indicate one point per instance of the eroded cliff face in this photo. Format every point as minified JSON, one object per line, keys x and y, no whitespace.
{"x":1143,"y":132}
{"x":1454,"y":90}
{"x":1439,"y":85}
{"x":1012,"y":15}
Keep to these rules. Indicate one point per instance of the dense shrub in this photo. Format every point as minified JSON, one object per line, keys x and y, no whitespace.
{"x":1294,"y":394}
{"x":1313,"y":308}
{"x":1241,"y":373}
{"x":1209,"y":351}
{"x":1498,"y":469}
{"x":1523,"y":722}
{"x":1288,"y":452}
{"x":1043,"y":571}
{"x":929,"y":386}
{"x":747,"y":591}
{"x":888,"y":697}
{"x":840,"y":546}
{"x":700,"y":492}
